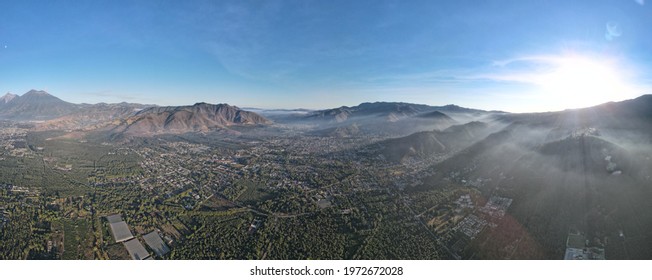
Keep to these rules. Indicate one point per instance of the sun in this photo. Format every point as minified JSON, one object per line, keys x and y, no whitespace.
{"x":576,"y":82}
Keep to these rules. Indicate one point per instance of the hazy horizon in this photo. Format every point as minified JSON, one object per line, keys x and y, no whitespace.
{"x":496,"y":55}
{"x":325,"y":108}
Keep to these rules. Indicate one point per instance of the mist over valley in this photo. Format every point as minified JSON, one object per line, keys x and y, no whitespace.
{"x":449,"y":182}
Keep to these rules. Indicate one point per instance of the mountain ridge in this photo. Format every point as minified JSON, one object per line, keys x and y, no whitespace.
{"x":7,"y":98}
{"x":35,"y":105}
{"x":392,"y":111}
{"x":200,"y":117}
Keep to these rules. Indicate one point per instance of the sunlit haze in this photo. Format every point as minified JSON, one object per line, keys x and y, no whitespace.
{"x":571,"y":81}
{"x":515,"y":56}
{"x":579,"y":82}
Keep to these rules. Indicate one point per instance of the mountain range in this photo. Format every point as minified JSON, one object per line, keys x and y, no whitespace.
{"x":6,"y":98}
{"x":428,"y":143}
{"x":132,"y":119}
{"x":52,"y":113}
{"x":583,"y":168}
{"x":200,"y":117}
{"x":389,"y":111}
{"x":34,"y":105}
{"x":390,"y":119}
{"x":553,"y":134}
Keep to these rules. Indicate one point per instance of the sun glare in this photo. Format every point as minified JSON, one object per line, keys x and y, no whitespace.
{"x":577,"y":82}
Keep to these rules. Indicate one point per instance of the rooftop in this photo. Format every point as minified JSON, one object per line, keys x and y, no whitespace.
{"x":120,"y":231}
{"x":114,"y":218}
{"x":155,"y":242}
{"x":136,"y":250}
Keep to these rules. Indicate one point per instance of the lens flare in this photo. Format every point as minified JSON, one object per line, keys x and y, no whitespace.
{"x":580,"y":82}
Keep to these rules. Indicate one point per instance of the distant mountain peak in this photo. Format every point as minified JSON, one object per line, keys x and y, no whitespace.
{"x":34,"y":92}
{"x":390,"y":111}
{"x":452,"y":107}
{"x":435,"y":115}
{"x":205,"y":104}
{"x":35,"y":105}
{"x":7,"y":97}
{"x":200,"y":117}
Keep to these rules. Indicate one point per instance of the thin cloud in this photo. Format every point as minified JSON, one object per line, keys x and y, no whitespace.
{"x":525,"y":69}
{"x":535,"y":76}
{"x":545,"y":59}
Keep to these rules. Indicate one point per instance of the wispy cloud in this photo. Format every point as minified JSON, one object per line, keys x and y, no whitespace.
{"x":542,"y":81}
{"x":545,"y":59}
{"x":533,"y":69}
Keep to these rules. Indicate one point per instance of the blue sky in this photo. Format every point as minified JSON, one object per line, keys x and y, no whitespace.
{"x":321,"y":54}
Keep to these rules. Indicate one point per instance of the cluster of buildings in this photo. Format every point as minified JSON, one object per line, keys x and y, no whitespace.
{"x":12,"y":141}
{"x":497,"y":206}
{"x":464,"y":202}
{"x":577,"y":248}
{"x":471,"y":226}
{"x":122,"y":234}
{"x":170,"y":171}
{"x":18,"y":189}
